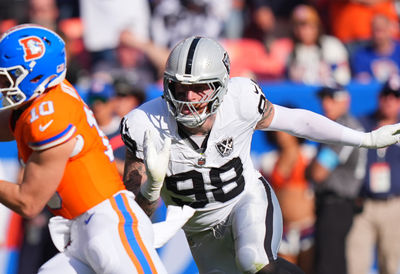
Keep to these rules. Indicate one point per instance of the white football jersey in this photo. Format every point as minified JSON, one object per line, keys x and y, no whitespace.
{"x":210,"y":178}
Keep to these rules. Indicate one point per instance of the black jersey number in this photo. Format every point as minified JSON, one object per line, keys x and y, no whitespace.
{"x":223,"y":190}
{"x":261,"y":104}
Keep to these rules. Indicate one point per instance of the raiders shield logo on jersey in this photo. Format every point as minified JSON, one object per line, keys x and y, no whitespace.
{"x":225,"y":147}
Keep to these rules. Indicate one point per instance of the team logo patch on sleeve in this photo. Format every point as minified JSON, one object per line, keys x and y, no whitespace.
{"x":33,"y":47}
{"x":225,"y":147}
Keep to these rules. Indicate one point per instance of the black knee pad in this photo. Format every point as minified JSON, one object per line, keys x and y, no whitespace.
{"x":281,"y":266}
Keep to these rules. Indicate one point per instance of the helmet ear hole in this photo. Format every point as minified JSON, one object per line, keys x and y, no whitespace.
{"x":47,"y":41}
{"x":36,"y":79}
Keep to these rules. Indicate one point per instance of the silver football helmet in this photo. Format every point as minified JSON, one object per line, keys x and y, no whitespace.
{"x":196,"y":60}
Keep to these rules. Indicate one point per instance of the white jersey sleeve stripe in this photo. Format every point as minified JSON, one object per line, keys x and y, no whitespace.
{"x":62,"y":137}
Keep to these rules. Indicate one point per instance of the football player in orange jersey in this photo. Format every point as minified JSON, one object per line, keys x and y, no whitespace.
{"x":69,"y":164}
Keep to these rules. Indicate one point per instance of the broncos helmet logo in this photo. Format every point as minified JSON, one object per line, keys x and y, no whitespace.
{"x":33,"y":46}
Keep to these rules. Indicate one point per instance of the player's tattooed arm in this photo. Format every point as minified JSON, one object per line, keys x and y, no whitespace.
{"x":267,"y":116}
{"x":148,"y":207}
{"x":134,"y":172}
{"x":134,"y":176}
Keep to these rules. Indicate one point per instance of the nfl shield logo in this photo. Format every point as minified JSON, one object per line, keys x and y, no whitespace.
{"x":201,"y":161}
{"x":225,"y":147}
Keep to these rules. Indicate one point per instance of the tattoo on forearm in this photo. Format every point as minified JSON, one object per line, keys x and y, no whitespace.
{"x":147,"y":206}
{"x":134,"y":173}
{"x":134,"y":176}
{"x":132,"y":180}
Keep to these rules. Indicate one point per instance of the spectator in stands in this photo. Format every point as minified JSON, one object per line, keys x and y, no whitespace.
{"x":44,"y":13}
{"x":282,"y":10}
{"x":110,"y":100}
{"x":295,"y":198}
{"x":259,"y":55}
{"x":146,"y":51}
{"x":336,"y":171}
{"x":13,"y":10}
{"x":103,"y":22}
{"x":350,"y":20}
{"x":101,"y":99}
{"x":78,"y":63}
{"x":316,"y":59}
{"x":127,"y":97}
{"x":132,"y":63}
{"x":234,"y":23}
{"x":68,"y":8}
{"x":376,"y":227}
{"x":381,"y":58}
{"x":174,"y":20}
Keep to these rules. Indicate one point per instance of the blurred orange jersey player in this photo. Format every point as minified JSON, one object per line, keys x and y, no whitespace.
{"x":69,"y":163}
{"x":54,"y":118}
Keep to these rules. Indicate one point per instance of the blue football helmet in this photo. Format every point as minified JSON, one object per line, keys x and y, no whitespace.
{"x":32,"y":58}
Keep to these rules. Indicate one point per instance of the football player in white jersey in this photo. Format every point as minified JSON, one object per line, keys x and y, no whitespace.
{"x":209,"y":120}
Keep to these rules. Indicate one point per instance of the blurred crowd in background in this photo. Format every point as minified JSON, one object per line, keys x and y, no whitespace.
{"x":340,"y":205}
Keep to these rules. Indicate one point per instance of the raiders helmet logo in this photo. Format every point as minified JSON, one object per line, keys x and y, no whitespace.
{"x":33,"y":47}
{"x":227,"y":62}
{"x":225,"y":147}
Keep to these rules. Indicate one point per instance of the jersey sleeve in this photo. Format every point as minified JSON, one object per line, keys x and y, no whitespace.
{"x":52,"y":122}
{"x":152,"y":116}
{"x":250,"y":100}
{"x":132,"y":132}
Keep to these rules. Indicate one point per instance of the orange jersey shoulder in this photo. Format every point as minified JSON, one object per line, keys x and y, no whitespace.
{"x":90,"y":175}
{"x":51,"y":119}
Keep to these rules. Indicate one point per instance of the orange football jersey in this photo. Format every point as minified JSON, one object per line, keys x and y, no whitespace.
{"x":90,"y":175}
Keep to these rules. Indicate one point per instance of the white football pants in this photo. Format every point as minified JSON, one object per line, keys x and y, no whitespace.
{"x":247,"y":240}
{"x":115,"y":237}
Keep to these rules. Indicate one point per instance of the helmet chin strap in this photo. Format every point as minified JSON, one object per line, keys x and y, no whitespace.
{"x":190,"y":124}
